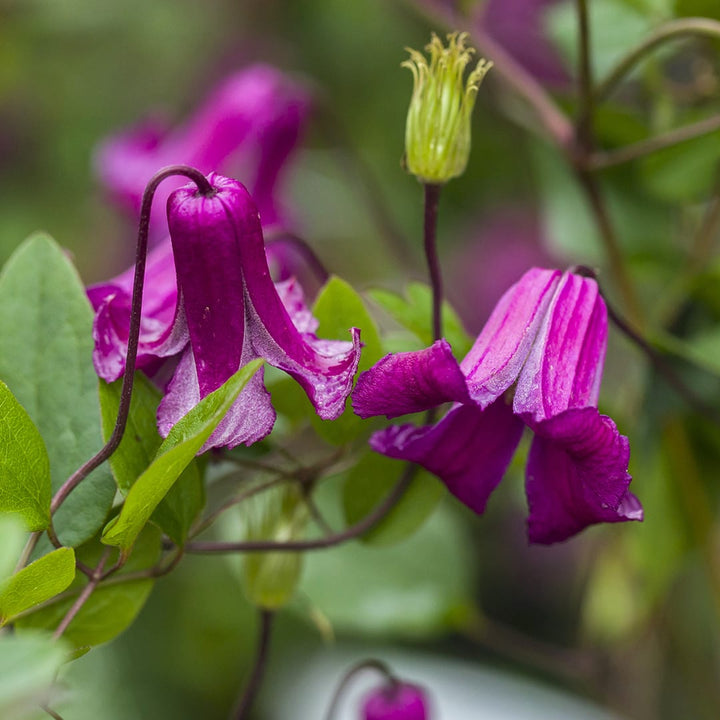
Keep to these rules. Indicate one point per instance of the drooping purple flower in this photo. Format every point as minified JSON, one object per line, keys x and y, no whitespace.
{"x":232,"y":313}
{"x":547,"y":336}
{"x":401,"y":701}
{"x":248,"y":127}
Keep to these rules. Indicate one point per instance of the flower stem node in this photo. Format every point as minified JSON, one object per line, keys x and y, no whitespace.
{"x":437,"y":133}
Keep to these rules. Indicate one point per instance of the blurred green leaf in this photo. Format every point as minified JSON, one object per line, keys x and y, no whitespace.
{"x":12,"y":538}
{"x":416,"y":588}
{"x":698,"y":8}
{"x":29,"y":664}
{"x":615,"y":25}
{"x":174,"y":455}
{"x":414,"y":312}
{"x":684,"y":172}
{"x":112,"y":607}
{"x":270,"y":578}
{"x":24,"y":466}
{"x":370,"y":480}
{"x":46,"y":360}
{"x":338,"y":308}
{"x":40,"y":581}
{"x":186,"y":498}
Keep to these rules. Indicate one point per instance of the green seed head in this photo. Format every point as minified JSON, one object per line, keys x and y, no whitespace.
{"x":437,"y":133}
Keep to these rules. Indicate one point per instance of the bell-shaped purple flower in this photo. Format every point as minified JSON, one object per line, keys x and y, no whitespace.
{"x":233,"y":312}
{"x":400,"y":701}
{"x":248,"y":127}
{"x":547,"y":336}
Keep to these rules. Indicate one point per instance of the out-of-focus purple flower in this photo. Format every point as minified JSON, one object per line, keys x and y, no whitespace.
{"x":401,"y":701}
{"x":547,"y":336}
{"x":232,"y":312}
{"x":508,"y":241}
{"x":248,"y":127}
{"x":517,"y":26}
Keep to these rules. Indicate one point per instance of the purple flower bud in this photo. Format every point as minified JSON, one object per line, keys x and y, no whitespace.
{"x":401,"y":701}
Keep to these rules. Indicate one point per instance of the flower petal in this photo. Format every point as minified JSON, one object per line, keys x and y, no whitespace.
{"x":564,"y":368}
{"x":230,"y":300}
{"x":257,"y":112}
{"x":496,"y":358}
{"x":251,"y":417}
{"x":577,"y":476}
{"x":469,"y":449}
{"x":162,"y":328}
{"x":410,"y":382}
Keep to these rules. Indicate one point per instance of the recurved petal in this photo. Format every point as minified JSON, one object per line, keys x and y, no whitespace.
{"x":564,"y":368}
{"x":410,"y":382}
{"x":250,"y":418}
{"x":495,"y":360}
{"x":469,"y":449}
{"x":577,"y":475}
{"x":324,"y":368}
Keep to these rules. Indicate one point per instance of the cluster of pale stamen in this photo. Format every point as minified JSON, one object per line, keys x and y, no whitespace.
{"x":446,"y":61}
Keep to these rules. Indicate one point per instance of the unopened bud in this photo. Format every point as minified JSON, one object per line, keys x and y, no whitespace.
{"x":396,"y":701}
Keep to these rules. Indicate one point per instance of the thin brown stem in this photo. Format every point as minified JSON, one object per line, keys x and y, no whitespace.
{"x":370,"y":664}
{"x":584,"y":122}
{"x":266,"y":618}
{"x":354,"y":531}
{"x":302,"y":248}
{"x":675,"y":29}
{"x":84,"y":596}
{"x":432,"y":198}
{"x":611,"y":158}
{"x":204,"y":188}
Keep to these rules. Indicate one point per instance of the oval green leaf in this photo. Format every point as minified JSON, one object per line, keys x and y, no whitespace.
{"x":25,"y":486}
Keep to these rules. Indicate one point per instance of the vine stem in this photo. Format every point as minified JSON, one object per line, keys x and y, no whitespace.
{"x":432,"y":198}
{"x":674,"y":29}
{"x":370,"y":664}
{"x":328,"y":541}
{"x":266,"y":618}
{"x":83,"y":597}
{"x":205,"y":188}
{"x":611,"y":158}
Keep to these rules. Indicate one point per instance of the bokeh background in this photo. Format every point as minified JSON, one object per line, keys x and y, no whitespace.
{"x":625,"y":617}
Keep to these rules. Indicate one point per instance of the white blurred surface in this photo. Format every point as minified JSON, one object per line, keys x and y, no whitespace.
{"x":458,"y":690}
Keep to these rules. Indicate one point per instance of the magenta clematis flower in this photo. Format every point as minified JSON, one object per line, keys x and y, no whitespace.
{"x":547,"y":336}
{"x":248,"y":127}
{"x":231,"y":312}
{"x":402,"y":701}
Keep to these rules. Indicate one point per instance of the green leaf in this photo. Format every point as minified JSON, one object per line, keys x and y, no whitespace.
{"x":24,"y":466}
{"x":698,"y":8}
{"x":112,"y":607}
{"x":46,"y":360}
{"x":12,"y":539}
{"x":414,"y":312}
{"x":181,"y":506}
{"x":684,"y":172}
{"x":175,"y":454}
{"x":29,"y":664}
{"x":36,"y":583}
{"x":417,"y":588}
{"x":138,"y":448}
{"x":338,"y":308}
{"x":370,"y":480}
{"x":141,"y":439}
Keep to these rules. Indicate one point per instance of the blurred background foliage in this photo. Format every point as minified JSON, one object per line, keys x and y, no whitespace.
{"x":625,"y":615}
